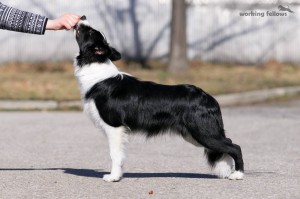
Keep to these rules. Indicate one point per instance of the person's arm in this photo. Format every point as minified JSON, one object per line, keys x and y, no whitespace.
{"x":21,"y":21}
{"x":17,"y":20}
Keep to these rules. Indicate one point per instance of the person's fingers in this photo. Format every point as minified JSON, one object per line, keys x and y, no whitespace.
{"x":72,"y":16}
{"x":73,"y":20}
{"x":76,"y":20}
{"x":67,"y":25}
{"x":75,"y":17}
{"x":69,"y":21}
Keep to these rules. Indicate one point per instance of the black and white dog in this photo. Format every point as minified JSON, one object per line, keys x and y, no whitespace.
{"x":120,"y":104}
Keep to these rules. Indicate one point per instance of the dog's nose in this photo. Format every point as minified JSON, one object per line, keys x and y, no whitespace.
{"x":83,"y":17}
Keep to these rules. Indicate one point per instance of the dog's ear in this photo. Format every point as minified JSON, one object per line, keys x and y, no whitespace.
{"x":114,"y":55}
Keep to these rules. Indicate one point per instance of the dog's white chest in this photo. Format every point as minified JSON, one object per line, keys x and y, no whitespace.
{"x":89,"y":75}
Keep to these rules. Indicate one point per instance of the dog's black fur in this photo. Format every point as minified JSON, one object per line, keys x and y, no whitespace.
{"x":152,"y":108}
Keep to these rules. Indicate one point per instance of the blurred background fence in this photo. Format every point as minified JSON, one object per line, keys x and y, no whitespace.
{"x":140,"y":30}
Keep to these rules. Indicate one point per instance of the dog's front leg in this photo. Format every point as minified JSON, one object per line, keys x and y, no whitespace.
{"x":117,"y":139}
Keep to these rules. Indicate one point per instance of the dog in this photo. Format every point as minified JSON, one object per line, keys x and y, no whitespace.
{"x":120,"y":104}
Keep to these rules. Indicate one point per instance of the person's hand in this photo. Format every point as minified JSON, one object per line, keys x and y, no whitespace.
{"x":65,"y":22}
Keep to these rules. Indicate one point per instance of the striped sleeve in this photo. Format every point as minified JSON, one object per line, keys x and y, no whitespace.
{"x":21,"y":21}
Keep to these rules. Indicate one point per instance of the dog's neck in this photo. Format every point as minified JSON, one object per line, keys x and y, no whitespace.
{"x":90,"y":74}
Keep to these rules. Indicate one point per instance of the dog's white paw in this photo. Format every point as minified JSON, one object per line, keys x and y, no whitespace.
{"x":111,"y":178}
{"x":236,"y":175}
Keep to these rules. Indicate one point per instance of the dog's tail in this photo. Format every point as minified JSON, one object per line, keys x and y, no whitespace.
{"x":222,"y":164}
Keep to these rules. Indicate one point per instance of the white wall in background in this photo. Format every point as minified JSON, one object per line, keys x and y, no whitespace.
{"x":140,"y":29}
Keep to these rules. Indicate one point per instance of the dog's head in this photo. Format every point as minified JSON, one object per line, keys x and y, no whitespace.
{"x":92,"y":43}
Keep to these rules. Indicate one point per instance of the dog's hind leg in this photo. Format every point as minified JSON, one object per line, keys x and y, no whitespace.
{"x":206,"y":127}
{"x":220,"y":151}
{"x":222,"y":164}
{"x":117,"y":139}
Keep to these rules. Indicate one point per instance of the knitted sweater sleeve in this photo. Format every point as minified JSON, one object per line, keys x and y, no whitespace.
{"x":21,"y":21}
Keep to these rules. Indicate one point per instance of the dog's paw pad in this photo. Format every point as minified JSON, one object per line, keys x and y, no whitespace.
{"x":236,"y":175}
{"x":111,"y":178}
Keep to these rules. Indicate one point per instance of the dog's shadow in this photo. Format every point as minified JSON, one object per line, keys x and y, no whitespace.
{"x":99,"y":173}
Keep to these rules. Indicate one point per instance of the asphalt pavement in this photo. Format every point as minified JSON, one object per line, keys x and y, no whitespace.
{"x":61,"y":155}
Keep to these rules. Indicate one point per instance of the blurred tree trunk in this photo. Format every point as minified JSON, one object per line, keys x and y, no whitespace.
{"x":178,"y":61}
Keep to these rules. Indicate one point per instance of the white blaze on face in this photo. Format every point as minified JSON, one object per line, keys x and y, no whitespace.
{"x":85,"y":22}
